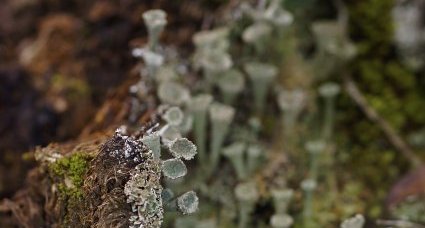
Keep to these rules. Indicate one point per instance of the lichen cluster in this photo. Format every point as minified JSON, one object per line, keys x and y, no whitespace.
{"x":143,"y":192}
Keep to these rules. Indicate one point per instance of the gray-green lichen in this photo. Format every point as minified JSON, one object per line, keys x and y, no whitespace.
{"x":143,"y":192}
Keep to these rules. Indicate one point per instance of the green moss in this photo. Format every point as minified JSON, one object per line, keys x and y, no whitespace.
{"x":69,"y":174}
{"x":370,"y":26}
{"x":391,"y":89}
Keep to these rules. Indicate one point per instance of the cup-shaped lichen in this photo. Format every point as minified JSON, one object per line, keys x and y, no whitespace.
{"x":281,"y":200}
{"x":183,"y":148}
{"x":291,"y":102}
{"x":188,"y":202}
{"x":261,"y":76}
{"x":199,"y":105}
{"x":167,"y":196}
{"x":281,"y":221}
{"x":173,"y":93}
{"x":211,"y":54}
{"x":215,"y":39}
{"x":166,"y":74}
{"x":254,"y":158}
{"x":174,"y":116}
{"x":235,"y":153}
{"x":314,"y":148}
{"x":355,"y":222}
{"x":256,"y":32}
{"x":174,"y":168}
{"x":273,"y":13}
{"x":247,"y":196}
{"x":277,"y":15}
{"x":231,"y":83}
{"x":256,"y":35}
{"x":221,"y":116}
{"x":152,"y":59}
{"x":155,"y":20}
{"x":308,"y":186}
{"x":153,"y":142}
{"x":187,"y":123}
{"x":213,"y":63}
{"x":329,"y":91}
{"x":168,"y":134}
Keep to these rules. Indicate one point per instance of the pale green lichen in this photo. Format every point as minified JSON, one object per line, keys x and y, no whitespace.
{"x":188,"y":202}
{"x":153,"y":142}
{"x":281,"y":221}
{"x":355,"y":222}
{"x":174,"y":116}
{"x":261,"y":76}
{"x":143,"y":191}
{"x":235,"y":154}
{"x":221,"y":117}
{"x":247,"y":195}
{"x":173,"y":93}
{"x":174,"y":168}
{"x":155,"y":20}
{"x":183,"y":148}
{"x":231,"y":83}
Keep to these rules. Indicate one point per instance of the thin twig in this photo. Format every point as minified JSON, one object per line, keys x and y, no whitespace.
{"x":388,"y":130}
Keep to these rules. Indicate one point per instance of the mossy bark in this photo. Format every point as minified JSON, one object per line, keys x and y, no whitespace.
{"x":75,"y":185}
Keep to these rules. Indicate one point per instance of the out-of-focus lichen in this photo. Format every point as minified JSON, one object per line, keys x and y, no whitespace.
{"x":354,"y":222}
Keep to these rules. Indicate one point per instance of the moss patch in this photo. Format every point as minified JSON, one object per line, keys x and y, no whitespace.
{"x":68,"y":174}
{"x":73,"y":167}
{"x":391,"y":88}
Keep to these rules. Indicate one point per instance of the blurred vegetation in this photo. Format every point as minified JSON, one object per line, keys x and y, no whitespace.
{"x":391,"y":89}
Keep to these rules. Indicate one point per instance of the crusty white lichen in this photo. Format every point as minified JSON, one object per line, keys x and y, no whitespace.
{"x":143,"y":191}
{"x":188,"y":202}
